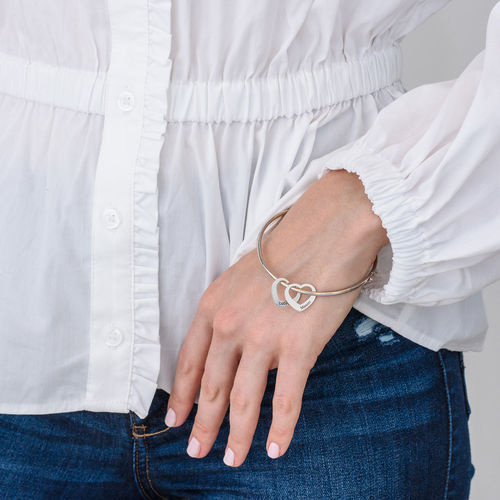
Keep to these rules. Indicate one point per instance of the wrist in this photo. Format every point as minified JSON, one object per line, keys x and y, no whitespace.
{"x":329,"y":235}
{"x":350,"y":202}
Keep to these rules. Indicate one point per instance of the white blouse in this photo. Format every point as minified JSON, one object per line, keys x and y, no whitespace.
{"x":144,"y":143}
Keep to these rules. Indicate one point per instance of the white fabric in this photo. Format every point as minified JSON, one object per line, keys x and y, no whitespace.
{"x":143,"y":145}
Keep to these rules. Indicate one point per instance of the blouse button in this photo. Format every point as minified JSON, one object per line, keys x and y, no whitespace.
{"x":126,"y":101}
{"x":111,"y":218}
{"x":114,"y":337}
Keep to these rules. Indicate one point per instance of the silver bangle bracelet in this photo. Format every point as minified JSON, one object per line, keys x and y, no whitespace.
{"x":305,"y":288}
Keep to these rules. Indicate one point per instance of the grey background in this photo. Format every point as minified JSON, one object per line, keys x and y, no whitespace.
{"x":439,"y":50}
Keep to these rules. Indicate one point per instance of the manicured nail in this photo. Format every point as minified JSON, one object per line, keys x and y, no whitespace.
{"x":170,"y":418}
{"x":273,"y":451}
{"x":193,"y":449}
{"x":229,"y":457}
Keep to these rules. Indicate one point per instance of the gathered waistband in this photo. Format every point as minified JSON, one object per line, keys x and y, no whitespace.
{"x":253,"y":99}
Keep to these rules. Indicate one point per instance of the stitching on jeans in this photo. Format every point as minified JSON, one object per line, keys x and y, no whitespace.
{"x":137,"y":472}
{"x":147,"y":471}
{"x":450,"y":424}
{"x":147,"y":434}
{"x":147,"y":454}
{"x":144,"y":434}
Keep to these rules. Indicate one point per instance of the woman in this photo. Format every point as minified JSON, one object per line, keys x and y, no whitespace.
{"x":144,"y":145}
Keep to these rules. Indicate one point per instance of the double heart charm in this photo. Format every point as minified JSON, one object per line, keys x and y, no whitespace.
{"x":293,"y":301}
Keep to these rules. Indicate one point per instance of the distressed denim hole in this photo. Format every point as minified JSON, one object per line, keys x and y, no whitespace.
{"x":364,"y":327}
{"x":387,"y":338}
{"x":367,"y":327}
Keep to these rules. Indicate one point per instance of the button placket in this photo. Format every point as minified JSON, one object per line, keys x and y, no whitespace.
{"x":112,"y":272}
{"x":134,"y":100}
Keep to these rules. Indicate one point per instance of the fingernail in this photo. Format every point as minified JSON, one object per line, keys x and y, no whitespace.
{"x":193,"y":449}
{"x":170,"y":418}
{"x":273,"y":451}
{"x":229,"y":457}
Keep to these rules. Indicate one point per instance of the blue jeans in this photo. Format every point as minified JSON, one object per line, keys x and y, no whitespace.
{"x":382,"y":418}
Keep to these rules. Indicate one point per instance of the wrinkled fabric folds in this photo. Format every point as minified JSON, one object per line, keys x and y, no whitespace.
{"x":142,"y":146}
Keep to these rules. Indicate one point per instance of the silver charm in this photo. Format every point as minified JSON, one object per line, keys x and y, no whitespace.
{"x":293,"y":302}
{"x":274,"y":293}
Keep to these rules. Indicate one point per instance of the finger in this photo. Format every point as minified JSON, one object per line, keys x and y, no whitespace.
{"x":189,"y":371}
{"x":217,"y":380}
{"x":244,"y":408}
{"x":291,"y":379}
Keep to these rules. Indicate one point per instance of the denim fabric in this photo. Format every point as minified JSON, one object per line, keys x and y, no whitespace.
{"x":382,"y":418}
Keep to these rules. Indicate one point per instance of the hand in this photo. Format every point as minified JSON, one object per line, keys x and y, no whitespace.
{"x":330,"y":238}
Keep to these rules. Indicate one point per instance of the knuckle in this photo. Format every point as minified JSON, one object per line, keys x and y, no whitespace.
{"x":225,"y":321}
{"x":238,"y":442}
{"x":178,"y":401}
{"x":281,"y":432}
{"x":257,"y":339}
{"x":303,"y":360}
{"x":239,"y":401}
{"x":202,"y":429}
{"x":283,"y":405}
{"x":185,"y":366}
{"x":207,"y":301}
{"x":295,"y":349}
{"x":209,"y":390}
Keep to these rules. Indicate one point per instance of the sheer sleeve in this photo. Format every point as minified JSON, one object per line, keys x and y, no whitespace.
{"x":430,"y":164}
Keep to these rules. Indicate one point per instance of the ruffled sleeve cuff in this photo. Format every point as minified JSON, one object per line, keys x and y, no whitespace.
{"x":399,"y":272}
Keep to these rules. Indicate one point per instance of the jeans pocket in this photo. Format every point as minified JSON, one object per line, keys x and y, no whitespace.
{"x":464,"y":383}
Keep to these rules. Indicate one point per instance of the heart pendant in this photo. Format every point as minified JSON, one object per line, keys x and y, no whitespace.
{"x":293,"y":302}
{"x":274,"y":293}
